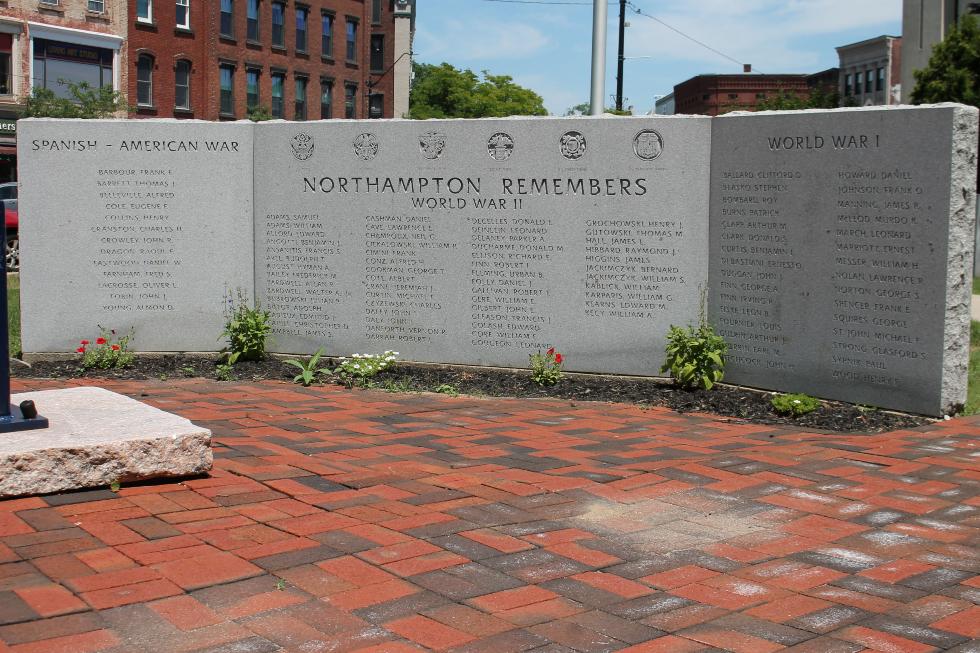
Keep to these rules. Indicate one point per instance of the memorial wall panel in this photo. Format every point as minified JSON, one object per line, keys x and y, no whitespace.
{"x":829,"y":252}
{"x":481,"y":242}
{"x":142,"y":225}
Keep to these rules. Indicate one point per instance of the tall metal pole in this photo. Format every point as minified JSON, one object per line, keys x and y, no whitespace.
{"x":619,"y":64}
{"x":600,"y":15}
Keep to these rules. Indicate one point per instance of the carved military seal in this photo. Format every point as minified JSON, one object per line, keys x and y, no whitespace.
{"x":572,"y":145}
{"x":432,"y":144}
{"x":648,"y":144}
{"x":366,"y":146}
{"x":500,"y":146}
{"x":302,"y":146}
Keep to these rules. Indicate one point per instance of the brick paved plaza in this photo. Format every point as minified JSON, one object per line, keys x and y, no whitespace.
{"x":339,"y":520}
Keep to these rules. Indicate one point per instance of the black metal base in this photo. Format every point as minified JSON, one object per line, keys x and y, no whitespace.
{"x":16,"y":421}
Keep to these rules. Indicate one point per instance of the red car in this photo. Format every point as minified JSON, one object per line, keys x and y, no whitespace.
{"x":8,"y":195}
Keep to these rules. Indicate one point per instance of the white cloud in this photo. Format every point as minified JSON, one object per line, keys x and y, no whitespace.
{"x":766,"y":33}
{"x":493,"y":41}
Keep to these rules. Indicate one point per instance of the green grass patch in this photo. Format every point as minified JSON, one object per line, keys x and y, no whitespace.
{"x":976,"y":285}
{"x":973,"y":385}
{"x":13,"y":313}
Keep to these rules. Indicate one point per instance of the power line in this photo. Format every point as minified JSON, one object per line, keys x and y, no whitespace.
{"x":687,"y":36}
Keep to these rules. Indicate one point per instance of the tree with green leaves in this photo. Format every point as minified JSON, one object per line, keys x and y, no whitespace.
{"x":953,"y":72}
{"x":585,"y":109}
{"x":446,"y":92}
{"x":818,"y":98}
{"x":83,"y":101}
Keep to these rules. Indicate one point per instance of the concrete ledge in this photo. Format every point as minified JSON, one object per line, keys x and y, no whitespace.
{"x":97,"y":437}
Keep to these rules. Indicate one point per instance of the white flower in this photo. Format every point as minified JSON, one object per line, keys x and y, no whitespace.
{"x":796,"y":401}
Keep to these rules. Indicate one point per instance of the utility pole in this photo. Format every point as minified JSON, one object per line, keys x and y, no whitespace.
{"x":600,"y":15}
{"x":619,"y":70}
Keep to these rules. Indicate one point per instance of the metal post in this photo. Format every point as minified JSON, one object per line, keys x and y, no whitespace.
{"x":619,"y":63}
{"x":11,"y":417}
{"x":600,"y":15}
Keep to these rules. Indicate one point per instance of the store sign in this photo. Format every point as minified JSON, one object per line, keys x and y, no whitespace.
{"x":7,"y":127}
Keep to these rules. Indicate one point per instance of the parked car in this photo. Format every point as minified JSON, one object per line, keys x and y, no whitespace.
{"x":8,"y":195}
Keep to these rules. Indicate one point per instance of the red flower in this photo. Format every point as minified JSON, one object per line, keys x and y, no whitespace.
{"x":84,"y":342}
{"x":558,"y":359}
{"x":115,"y":348}
{"x":80,"y":350}
{"x":100,"y":341}
{"x":551,"y":351}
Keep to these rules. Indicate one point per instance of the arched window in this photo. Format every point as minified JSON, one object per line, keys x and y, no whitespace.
{"x":144,"y":81}
{"x":182,"y":84}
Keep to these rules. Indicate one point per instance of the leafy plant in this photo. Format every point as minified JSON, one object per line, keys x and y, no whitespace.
{"x":546,"y":367}
{"x":795,"y":404}
{"x":223,"y":372}
{"x":308,"y":371}
{"x":359,"y":368}
{"x":403,"y":384}
{"x":447,"y":389}
{"x":695,"y":355}
{"x":109,"y":351}
{"x":247,"y":328}
{"x":259,"y":114}
{"x":114,"y":486}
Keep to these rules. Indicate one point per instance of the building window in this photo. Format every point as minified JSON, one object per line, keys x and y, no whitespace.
{"x":299,"y":112}
{"x":733,"y":96}
{"x":302,"y":14}
{"x":228,"y":18}
{"x":96,"y":6}
{"x":182,"y":85}
{"x":183,"y":14}
{"x":858,"y":83}
{"x":350,"y":100}
{"x":376,"y":12}
{"x":252,"y":89}
{"x":326,"y":35}
{"x":144,"y":80}
{"x":376,"y":106}
{"x":869,"y":80}
{"x":6,"y":51}
{"x":55,"y":61}
{"x":351,"y":40}
{"x":144,"y":11}
{"x":848,"y":85}
{"x":377,"y":53}
{"x":326,"y":99}
{"x":278,"y":21}
{"x":227,"y":107}
{"x":252,"y":21}
{"x":881,"y":79}
{"x":278,"y":84}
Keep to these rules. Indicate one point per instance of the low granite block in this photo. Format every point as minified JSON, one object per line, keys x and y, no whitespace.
{"x":97,"y":437}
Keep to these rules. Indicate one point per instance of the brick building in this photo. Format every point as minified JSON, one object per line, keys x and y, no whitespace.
{"x":300,"y":60}
{"x":714,"y":95}
{"x":871,"y":71}
{"x":46,"y":42}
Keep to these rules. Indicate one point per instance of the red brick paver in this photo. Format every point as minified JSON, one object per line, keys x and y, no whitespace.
{"x":339,"y":520}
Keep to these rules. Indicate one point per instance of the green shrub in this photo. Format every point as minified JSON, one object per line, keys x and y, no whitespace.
{"x":546,"y":367}
{"x":308,"y":371}
{"x":795,"y":404}
{"x":109,"y":351}
{"x":359,"y":368}
{"x":247,"y":328}
{"x":695,"y":355}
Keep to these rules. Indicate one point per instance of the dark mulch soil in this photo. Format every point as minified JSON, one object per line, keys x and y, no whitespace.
{"x":727,"y":401}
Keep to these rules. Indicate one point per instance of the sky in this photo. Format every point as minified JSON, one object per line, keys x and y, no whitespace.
{"x":547,"y":46}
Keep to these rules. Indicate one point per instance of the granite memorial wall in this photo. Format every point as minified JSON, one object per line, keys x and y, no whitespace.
{"x":836,"y":245}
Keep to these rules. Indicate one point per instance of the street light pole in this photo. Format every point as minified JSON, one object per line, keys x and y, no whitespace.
{"x":600,"y":15}
{"x":619,"y":64}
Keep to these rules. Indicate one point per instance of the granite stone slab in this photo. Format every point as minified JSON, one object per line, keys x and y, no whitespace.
{"x":97,"y":437}
{"x":132,"y":224}
{"x":841,"y":250}
{"x":483,"y":241}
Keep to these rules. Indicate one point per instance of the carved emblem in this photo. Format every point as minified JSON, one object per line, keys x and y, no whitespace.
{"x":500,"y":146}
{"x":572,"y":145}
{"x":302,"y":145}
{"x":432,"y":144}
{"x":366,"y":146}
{"x":648,"y":144}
